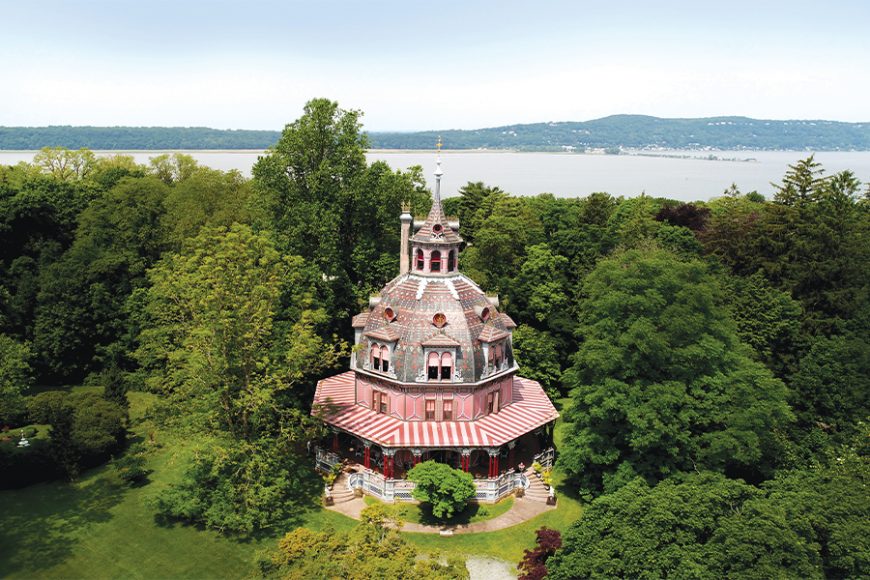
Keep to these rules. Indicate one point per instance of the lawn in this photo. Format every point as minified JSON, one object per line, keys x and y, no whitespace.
{"x":101,"y":528}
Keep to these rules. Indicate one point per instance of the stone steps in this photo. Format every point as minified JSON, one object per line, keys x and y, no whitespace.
{"x":536,"y":490}
{"x":341,"y":493}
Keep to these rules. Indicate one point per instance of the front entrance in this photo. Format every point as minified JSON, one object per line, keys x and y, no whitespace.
{"x":448,"y":456}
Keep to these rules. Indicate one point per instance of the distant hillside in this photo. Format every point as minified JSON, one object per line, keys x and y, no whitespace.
{"x":638,"y":131}
{"x":134,"y":138}
{"x":632,"y":131}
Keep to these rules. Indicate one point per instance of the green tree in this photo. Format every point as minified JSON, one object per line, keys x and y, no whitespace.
{"x":205,"y":197}
{"x":445,"y":489}
{"x":697,"y":526}
{"x":537,"y":353}
{"x":368,"y":551}
{"x":473,"y":206}
{"x":501,"y":243}
{"x":228,"y":339}
{"x":768,"y":320}
{"x":831,"y":385}
{"x":541,"y":293}
{"x":80,"y":320}
{"x":64,"y":164}
{"x":216,"y":339}
{"x":332,"y":209}
{"x":801,"y":182}
{"x":15,"y":378}
{"x":661,"y":381}
{"x":172,"y":168}
{"x":84,"y":427}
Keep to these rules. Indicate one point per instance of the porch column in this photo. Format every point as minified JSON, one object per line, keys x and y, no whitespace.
{"x":418,"y":455}
{"x":466,"y":459}
{"x":493,"y":462}
{"x":511,"y":446}
{"x":388,"y":462}
{"x":335,"y":446}
{"x":367,"y":454}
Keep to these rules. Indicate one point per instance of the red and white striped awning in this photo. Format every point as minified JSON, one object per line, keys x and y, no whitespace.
{"x":530,"y":409}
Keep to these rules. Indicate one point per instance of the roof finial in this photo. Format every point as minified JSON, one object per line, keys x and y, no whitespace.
{"x":438,"y":172}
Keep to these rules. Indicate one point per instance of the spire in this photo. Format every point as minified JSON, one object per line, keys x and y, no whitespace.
{"x":435,"y":229}
{"x":438,"y":173}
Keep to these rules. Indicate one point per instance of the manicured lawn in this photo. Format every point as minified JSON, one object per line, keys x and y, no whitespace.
{"x":418,"y":514}
{"x":507,"y":544}
{"x":100,"y":528}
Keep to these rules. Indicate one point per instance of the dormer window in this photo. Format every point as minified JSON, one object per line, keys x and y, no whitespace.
{"x":376,"y":357}
{"x":380,"y":357}
{"x":385,"y":359}
{"x":435,"y":261}
{"x":446,"y":366}
{"x":439,"y":366}
{"x":434,"y":367}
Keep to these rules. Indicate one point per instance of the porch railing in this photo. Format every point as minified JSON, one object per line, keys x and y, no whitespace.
{"x":546,"y":458}
{"x":392,"y":490}
{"x":325,"y":461}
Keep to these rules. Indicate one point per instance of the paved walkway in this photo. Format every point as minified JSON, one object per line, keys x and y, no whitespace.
{"x":522,"y":511}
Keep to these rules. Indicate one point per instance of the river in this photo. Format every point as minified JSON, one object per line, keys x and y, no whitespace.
{"x":683,"y":175}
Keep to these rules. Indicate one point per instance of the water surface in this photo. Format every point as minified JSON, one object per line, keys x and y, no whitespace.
{"x":683,"y":175}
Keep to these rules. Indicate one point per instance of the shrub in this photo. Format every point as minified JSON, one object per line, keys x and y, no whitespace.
{"x":446,"y":489}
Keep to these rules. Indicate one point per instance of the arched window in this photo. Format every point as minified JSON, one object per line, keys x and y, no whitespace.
{"x":434,"y":366}
{"x":385,"y":359}
{"x":497,"y":355}
{"x":446,"y":366}
{"x":376,"y":357}
{"x":451,"y":261}
{"x":420,"y":261}
{"x":435,"y":261}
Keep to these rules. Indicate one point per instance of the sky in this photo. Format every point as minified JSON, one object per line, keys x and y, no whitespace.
{"x":412,"y":65}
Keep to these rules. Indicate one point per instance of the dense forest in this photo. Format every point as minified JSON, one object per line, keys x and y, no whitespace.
{"x":715,"y":355}
{"x":609,"y":133}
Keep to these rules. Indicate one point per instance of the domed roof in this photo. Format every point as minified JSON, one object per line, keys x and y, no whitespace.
{"x":415,"y":315}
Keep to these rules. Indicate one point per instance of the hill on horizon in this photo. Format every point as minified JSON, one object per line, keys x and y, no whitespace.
{"x":608,"y":133}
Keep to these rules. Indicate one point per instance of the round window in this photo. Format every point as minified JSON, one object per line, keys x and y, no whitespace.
{"x":437,"y":228}
{"x":389,"y":314}
{"x":439,"y":320}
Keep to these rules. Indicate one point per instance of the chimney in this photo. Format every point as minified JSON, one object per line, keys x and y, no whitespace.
{"x":404,"y":257}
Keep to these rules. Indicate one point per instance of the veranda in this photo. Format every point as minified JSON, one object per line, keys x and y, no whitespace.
{"x":384,"y":477}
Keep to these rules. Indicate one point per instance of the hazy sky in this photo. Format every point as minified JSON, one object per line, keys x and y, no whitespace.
{"x":429,"y":65}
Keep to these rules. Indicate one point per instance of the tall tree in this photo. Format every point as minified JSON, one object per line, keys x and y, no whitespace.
{"x":661,"y":381}
{"x":332,"y":209}
{"x":697,"y":526}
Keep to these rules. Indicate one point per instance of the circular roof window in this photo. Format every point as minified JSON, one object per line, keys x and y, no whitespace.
{"x":437,"y":228}
{"x":484,"y":314}
{"x":439,"y":320}
{"x":389,"y":314}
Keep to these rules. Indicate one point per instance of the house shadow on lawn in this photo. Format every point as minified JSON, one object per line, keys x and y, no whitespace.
{"x":38,"y":530}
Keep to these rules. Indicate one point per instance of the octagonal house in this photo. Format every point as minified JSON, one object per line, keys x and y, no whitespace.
{"x":433,"y":373}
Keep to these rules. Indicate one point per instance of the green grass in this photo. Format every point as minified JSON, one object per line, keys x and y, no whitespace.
{"x":507,"y":544}
{"x":419,"y":514}
{"x":100,"y":528}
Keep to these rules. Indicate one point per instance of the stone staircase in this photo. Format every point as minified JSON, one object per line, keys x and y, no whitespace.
{"x":536,"y":490}
{"x":341,"y":493}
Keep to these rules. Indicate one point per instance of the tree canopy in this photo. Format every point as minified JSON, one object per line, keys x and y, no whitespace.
{"x":661,"y":382}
